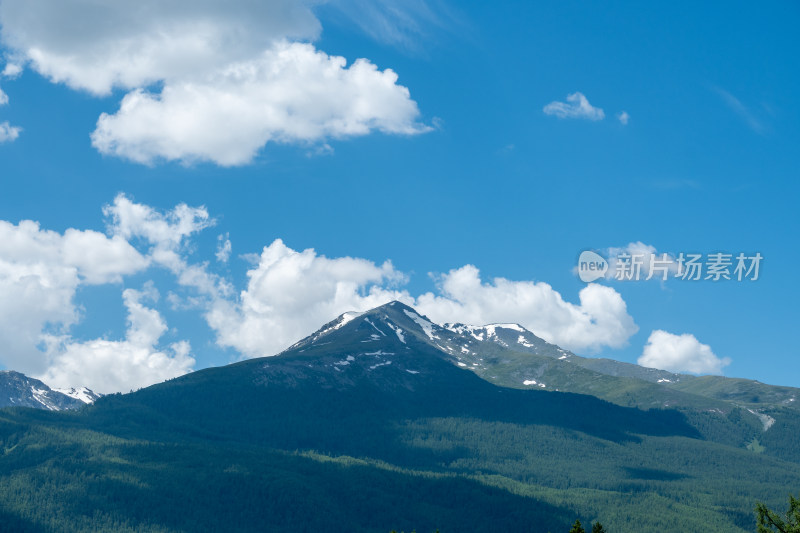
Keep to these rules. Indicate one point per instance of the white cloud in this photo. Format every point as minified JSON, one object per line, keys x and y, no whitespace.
{"x":40,"y":272}
{"x":224,"y":248}
{"x":89,"y":256}
{"x":291,"y":93}
{"x":290,"y":294}
{"x":163,"y":230}
{"x":11,"y":70}
{"x":110,"y":366}
{"x":680,"y":353}
{"x":100,"y":259}
{"x":623,"y":118}
{"x":8,"y":132}
{"x":232,"y":75}
{"x":97,"y":46}
{"x":576,"y":106}
{"x":166,"y":234}
{"x":601,"y":319}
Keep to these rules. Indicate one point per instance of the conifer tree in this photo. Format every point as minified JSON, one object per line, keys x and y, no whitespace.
{"x":769,"y":522}
{"x":577,"y":527}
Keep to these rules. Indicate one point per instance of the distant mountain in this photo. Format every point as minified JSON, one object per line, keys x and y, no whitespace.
{"x":84,"y":394}
{"x":729,"y":410}
{"x":18,"y":390}
{"x":384,"y":420}
{"x":515,"y":338}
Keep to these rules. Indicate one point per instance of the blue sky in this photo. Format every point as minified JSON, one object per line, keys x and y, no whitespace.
{"x":453,"y":163}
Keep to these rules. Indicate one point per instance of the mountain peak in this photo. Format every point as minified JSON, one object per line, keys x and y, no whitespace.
{"x":84,"y":394}
{"x":396,"y":322}
{"x":394,"y":304}
{"x":19,"y":390}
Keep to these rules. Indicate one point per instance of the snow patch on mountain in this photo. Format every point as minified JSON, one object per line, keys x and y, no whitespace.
{"x":368,"y":321}
{"x":426,"y":326}
{"x":398,"y":331}
{"x":41,"y":396}
{"x":515,"y":327}
{"x":84,"y":394}
{"x":461,"y":329}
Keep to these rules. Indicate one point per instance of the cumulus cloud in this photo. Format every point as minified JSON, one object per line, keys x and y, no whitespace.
{"x":680,"y":353}
{"x":576,"y":106}
{"x":97,"y":46}
{"x":166,"y":234}
{"x":3,"y":97}
{"x":601,"y":318}
{"x":40,"y":272}
{"x":109,"y":366}
{"x":233,"y":76}
{"x":623,"y":118}
{"x":11,"y":70}
{"x":164,"y":231}
{"x":291,"y":93}
{"x":290,"y":294}
{"x":8,"y":132}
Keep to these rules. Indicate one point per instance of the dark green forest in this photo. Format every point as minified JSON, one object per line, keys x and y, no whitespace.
{"x":283,"y":459}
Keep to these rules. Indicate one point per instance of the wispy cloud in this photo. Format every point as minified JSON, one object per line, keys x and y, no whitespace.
{"x":405,"y":24}
{"x":742,"y":110}
{"x":507,"y":149}
{"x":623,"y":117}
{"x":576,"y":106}
{"x":224,"y":248}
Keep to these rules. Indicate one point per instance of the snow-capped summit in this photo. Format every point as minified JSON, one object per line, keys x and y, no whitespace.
{"x":19,"y":390}
{"x":84,"y":394}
